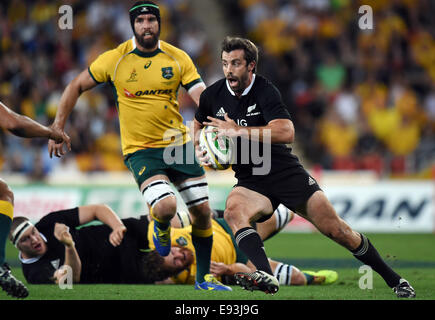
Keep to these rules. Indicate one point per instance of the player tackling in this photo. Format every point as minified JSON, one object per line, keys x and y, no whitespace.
{"x":249,"y":98}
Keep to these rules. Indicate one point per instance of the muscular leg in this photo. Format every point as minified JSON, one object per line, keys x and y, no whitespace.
{"x":162,"y":203}
{"x":8,"y":282}
{"x":162,"y":206}
{"x":6,"y":216}
{"x":243,"y":207}
{"x":194,"y":192}
{"x":320,"y":212}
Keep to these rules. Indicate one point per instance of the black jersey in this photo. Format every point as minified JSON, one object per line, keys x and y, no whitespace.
{"x":101,"y":262}
{"x":257,"y":106}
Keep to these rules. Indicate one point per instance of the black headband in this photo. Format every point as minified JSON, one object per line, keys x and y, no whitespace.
{"x":144,"y":8}
{"x":19,"y":231}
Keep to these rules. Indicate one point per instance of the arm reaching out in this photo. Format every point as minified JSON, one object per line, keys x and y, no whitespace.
{"x":25,"y":127}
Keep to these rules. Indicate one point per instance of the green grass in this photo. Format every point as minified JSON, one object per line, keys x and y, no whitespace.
{"x":411,"y":255}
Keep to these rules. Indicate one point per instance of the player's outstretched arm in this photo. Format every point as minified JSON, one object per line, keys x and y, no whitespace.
{"x":25,"y":127}
{"x":69,"y":98}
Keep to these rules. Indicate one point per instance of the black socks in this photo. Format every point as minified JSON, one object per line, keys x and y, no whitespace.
{"x":251,"y":244}
{"x":368,"y":255}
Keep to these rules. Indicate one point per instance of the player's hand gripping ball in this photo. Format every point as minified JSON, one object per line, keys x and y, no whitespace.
{"x":220,"y":150}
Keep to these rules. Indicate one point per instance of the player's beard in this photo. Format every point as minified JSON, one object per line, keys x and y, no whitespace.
{"x":147,"y":43}
{"x":242,"y":82}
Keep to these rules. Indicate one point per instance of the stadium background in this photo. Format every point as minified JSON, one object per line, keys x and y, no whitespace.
{"x":363,"y":104}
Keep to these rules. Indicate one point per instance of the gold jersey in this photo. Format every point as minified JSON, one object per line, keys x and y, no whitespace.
{"x":222,"y":251}
{"x":145,"y":87}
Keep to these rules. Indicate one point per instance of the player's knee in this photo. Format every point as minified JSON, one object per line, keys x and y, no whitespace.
{"x":234,"y":216}
{"x":201,"y":212}
{"x":166,"y":208}
{"x":298,"y":278}
{"x":6,"y":193}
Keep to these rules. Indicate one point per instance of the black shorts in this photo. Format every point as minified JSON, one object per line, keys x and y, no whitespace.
{"x":292,"y":188}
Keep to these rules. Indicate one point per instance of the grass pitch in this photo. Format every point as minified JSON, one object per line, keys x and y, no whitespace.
{"x":411,"y":255}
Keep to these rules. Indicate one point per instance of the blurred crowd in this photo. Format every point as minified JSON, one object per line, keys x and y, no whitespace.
{"x":360,"y":99}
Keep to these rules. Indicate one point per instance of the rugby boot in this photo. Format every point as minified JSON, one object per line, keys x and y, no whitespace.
{"x":258,"y":280}
{"x":211,"y":283}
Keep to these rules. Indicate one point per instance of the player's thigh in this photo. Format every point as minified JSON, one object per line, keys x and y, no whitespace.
{"x":244,"y":206}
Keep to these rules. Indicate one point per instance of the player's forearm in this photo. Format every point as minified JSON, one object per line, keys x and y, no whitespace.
{"x":237,"y":267}
{"x":72,"y":259}
{"x":20,"y":125}
{"x":25,"y":127}
{"x":282,"y":132}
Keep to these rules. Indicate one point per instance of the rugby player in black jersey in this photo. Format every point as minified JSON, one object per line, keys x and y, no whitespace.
{"x":248,"y":108}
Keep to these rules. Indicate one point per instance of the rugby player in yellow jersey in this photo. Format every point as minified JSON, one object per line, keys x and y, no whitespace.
{"x":145,"y":74}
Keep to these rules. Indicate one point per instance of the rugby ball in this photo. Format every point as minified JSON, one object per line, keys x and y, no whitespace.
{"x":220,"y":151}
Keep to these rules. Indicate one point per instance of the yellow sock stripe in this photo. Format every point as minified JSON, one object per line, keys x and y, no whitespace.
{"x":7,"y":209}
{"x":201,"y":233}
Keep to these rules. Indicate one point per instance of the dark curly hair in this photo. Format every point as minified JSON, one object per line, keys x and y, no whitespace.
{"x":153,"y":268}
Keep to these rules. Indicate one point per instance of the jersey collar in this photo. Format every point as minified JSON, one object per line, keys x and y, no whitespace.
{"x":145,"y":54}
{"x":246,"y":91}
{"x":34,"y":259}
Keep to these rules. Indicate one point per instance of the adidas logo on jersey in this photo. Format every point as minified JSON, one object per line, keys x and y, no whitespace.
{"x":311,"y":181}
{"x":221,"y":112}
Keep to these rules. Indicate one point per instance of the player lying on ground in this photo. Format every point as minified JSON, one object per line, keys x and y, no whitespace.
{"x":227,"y":259}
{"x":117,"y":251}
{"x":21,"y":126}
